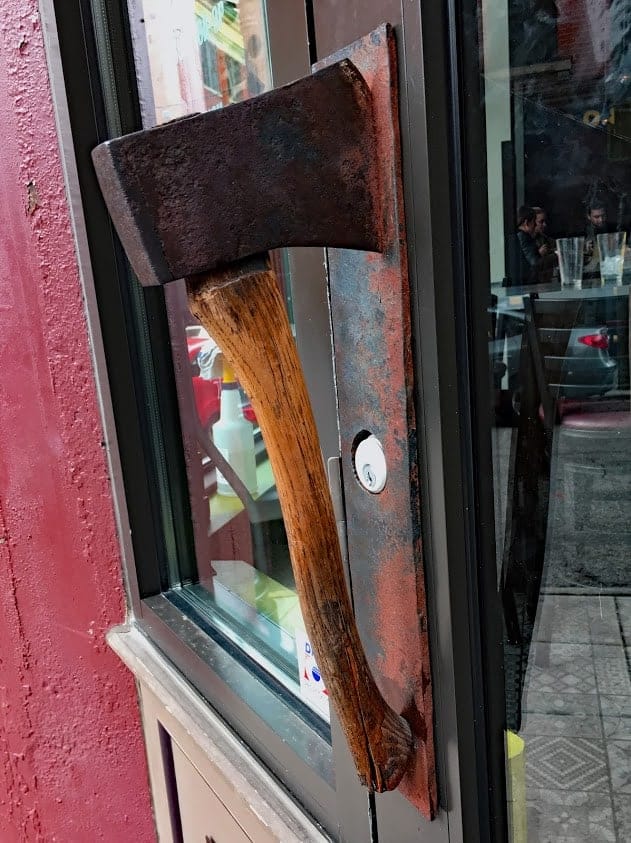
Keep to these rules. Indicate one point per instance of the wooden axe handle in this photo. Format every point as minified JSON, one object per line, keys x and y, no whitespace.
{"x":246,"y":316}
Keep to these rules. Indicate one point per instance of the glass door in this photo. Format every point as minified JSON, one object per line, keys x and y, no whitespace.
{"x":212,"y":585}
{"x":236,"y":584}
{"x":231,"y":599}
{"x":547,"y":153}
{"x":515,"y":130}
{"x":226,"y":610}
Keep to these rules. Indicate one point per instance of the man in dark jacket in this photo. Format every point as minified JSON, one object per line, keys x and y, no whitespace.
{"x":524,"y":256}
{"x":546,"y":247}
{"x":596,"y":224}
{"x":596,"y":219}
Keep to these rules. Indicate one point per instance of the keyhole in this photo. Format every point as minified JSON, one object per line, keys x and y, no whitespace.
{"x":369,"y":475}
{"x":369,"y":462}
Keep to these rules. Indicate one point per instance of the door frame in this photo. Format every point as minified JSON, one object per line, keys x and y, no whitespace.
{"x":443,"y":148}
{"x":442,"y":136}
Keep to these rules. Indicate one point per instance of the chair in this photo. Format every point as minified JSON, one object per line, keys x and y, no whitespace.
{"x":577,"y":427}
{"x":549,"y":423}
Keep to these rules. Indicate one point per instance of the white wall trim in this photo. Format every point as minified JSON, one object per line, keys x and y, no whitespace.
{"x":203,"y":735}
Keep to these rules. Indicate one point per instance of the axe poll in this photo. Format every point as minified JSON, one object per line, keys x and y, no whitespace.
{"x":204,"y":198}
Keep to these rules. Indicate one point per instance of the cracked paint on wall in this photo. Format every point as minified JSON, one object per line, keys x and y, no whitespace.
{"x":72,"y":765}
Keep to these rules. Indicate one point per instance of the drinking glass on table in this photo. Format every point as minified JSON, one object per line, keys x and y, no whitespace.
{"x":611,"y":248}
{"x":570,"y":251}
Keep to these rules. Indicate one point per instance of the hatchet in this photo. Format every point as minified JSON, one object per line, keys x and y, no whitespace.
{"x":204,"y":198}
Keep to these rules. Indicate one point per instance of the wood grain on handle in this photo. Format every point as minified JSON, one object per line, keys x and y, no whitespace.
{"x":245,"y":315}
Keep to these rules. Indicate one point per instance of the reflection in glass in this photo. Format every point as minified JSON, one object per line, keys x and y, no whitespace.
{"x":205,"y":55}
{"x":611,"y":251}
{"x":557,"y":98}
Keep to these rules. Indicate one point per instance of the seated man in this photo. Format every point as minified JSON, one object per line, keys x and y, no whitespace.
{"x":524,"y":257}
{"x":596,"y":224}
{"x":546,"y":247}
{"x":596,"y":220}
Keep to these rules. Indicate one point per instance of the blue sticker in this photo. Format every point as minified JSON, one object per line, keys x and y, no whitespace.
{"x":315,"y":673}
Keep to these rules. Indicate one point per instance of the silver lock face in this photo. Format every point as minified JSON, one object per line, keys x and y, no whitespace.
{"x":370,"y":464}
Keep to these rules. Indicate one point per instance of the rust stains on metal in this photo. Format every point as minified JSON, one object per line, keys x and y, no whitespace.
{"x":293,"y":167}
{"x":371,"y":316}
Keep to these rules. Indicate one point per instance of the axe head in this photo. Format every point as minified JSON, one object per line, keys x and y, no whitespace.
{"x":293,"y":167}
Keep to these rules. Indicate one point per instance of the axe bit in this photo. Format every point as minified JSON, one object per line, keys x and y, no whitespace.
{"x":204,"y":198}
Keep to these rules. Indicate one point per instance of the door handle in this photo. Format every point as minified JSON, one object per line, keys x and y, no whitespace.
{"x":300,"y":165}
{"x":260,"y":346}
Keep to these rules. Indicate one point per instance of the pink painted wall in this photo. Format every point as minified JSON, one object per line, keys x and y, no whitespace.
{"x":72,"y":765}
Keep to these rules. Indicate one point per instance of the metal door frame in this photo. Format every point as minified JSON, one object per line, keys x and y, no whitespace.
{"x":439,"y":95}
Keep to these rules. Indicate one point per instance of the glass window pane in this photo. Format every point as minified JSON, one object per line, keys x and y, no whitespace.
{"x":556,"y":79}
{"x":206,"y":55}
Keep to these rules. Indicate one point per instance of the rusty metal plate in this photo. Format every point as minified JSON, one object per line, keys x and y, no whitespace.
{"x":371,"y":319}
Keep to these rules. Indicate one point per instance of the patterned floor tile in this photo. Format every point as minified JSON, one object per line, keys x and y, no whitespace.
{"x":536,"y":702}
{"x":554,"y":815}
{"x":617,"y":729}
{"x":622,"y":816}
{"x":561,"y":669}
{"x":561,"y":725}
{"x":578,"y":620}
{"x":609,"y":651}
{"x":605,"y":629}
{"x":619,"y":753}
{"x":562,"y":763}
{"x":612,"y":706}
{"x":612,"y":670}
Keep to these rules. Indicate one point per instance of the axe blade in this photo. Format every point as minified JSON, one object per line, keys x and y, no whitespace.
{"x":293,"y":167}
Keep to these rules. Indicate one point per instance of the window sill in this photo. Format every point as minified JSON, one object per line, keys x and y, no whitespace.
{"x":249,"y":793}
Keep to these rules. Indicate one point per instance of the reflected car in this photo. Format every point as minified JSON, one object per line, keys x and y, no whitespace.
{"x":586,"y":370}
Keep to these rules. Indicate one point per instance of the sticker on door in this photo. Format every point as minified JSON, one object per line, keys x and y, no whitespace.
{"x":312,"y":689}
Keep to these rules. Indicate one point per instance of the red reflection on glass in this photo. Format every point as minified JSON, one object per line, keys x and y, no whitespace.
{"x":595,"y":341}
